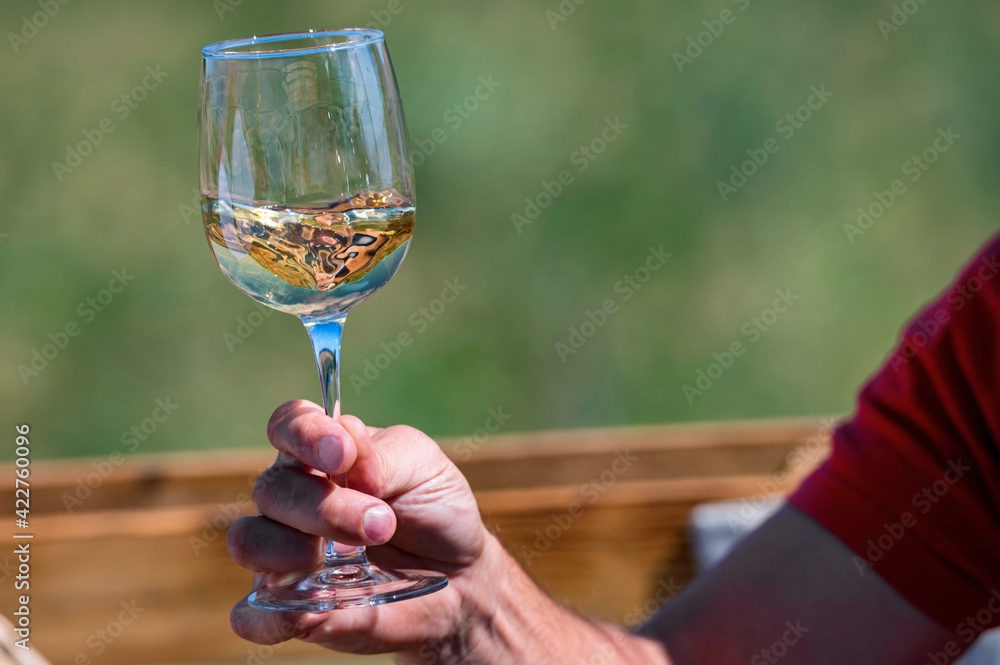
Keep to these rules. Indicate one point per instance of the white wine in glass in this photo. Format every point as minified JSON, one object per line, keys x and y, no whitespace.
{"x":308,"y":204}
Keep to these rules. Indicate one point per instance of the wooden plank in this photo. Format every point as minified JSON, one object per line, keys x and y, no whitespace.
{"x":88,"y":565}
{"x":156,"y":539}
{"x":506,"y":461}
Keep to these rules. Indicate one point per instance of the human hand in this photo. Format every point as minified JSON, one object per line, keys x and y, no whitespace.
{"x":406,"y":501}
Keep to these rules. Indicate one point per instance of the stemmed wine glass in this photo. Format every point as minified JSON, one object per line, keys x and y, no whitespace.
{"x":308,"y":204}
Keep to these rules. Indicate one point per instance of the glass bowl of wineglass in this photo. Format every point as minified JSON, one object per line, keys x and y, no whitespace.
{"x":308,"y":203}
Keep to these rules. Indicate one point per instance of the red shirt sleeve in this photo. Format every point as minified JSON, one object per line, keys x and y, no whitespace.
{"x":913,"y":483}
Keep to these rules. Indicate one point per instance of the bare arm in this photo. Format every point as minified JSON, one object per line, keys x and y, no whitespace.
{"x":792,"y":591}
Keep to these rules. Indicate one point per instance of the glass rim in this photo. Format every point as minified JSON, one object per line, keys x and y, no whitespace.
{"x":227,"y":49}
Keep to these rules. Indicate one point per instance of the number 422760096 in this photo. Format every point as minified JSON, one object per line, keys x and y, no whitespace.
{"x":22,"y":489}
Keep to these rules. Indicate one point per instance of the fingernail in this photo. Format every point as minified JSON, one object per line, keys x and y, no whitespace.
{"x":377,"y":523}
{"x":331,"y":453}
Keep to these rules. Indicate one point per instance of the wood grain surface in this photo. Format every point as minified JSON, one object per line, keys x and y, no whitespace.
{"x":129,"y":565}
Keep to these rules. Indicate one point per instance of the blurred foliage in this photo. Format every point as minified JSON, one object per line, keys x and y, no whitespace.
{"x":163,"y":336}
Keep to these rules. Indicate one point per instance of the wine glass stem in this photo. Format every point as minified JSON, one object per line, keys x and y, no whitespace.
{"x":325,"y":335}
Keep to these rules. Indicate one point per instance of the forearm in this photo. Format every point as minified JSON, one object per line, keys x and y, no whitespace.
{"x":506,"y":619}
{"x":792,"y":589}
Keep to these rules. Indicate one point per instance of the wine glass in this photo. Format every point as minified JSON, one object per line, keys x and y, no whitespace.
{"x":308,"y":204}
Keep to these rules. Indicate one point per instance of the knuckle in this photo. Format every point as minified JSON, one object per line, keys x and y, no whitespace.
{"x":236,"y":623}
{"x":423,"y":447}
{"x":403,"y":431}
{"x":241,"y":544}
{"x":270,"y":628}
{"x":263,"y":489}
{"x":239,"y":624}
{"x":272,"y":424}
{"x":235,"y":537}
{"x":412,"y":438}
{"x":281,"y":416}
{"x":278,"y":417}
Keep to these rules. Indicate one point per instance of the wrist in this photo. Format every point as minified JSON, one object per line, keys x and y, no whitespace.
{"x":474,"y":631}
{"x":506,"y":618}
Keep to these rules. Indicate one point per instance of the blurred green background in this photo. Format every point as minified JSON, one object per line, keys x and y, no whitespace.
{"x":128,"y":205}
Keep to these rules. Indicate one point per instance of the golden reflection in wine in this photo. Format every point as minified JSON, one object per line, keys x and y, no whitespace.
{"x":314,"y":247}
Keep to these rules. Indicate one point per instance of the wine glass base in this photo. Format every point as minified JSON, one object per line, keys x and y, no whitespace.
{"x":346,"y":586}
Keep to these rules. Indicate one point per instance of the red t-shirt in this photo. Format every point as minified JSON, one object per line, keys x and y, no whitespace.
{"x":913,"y":483}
